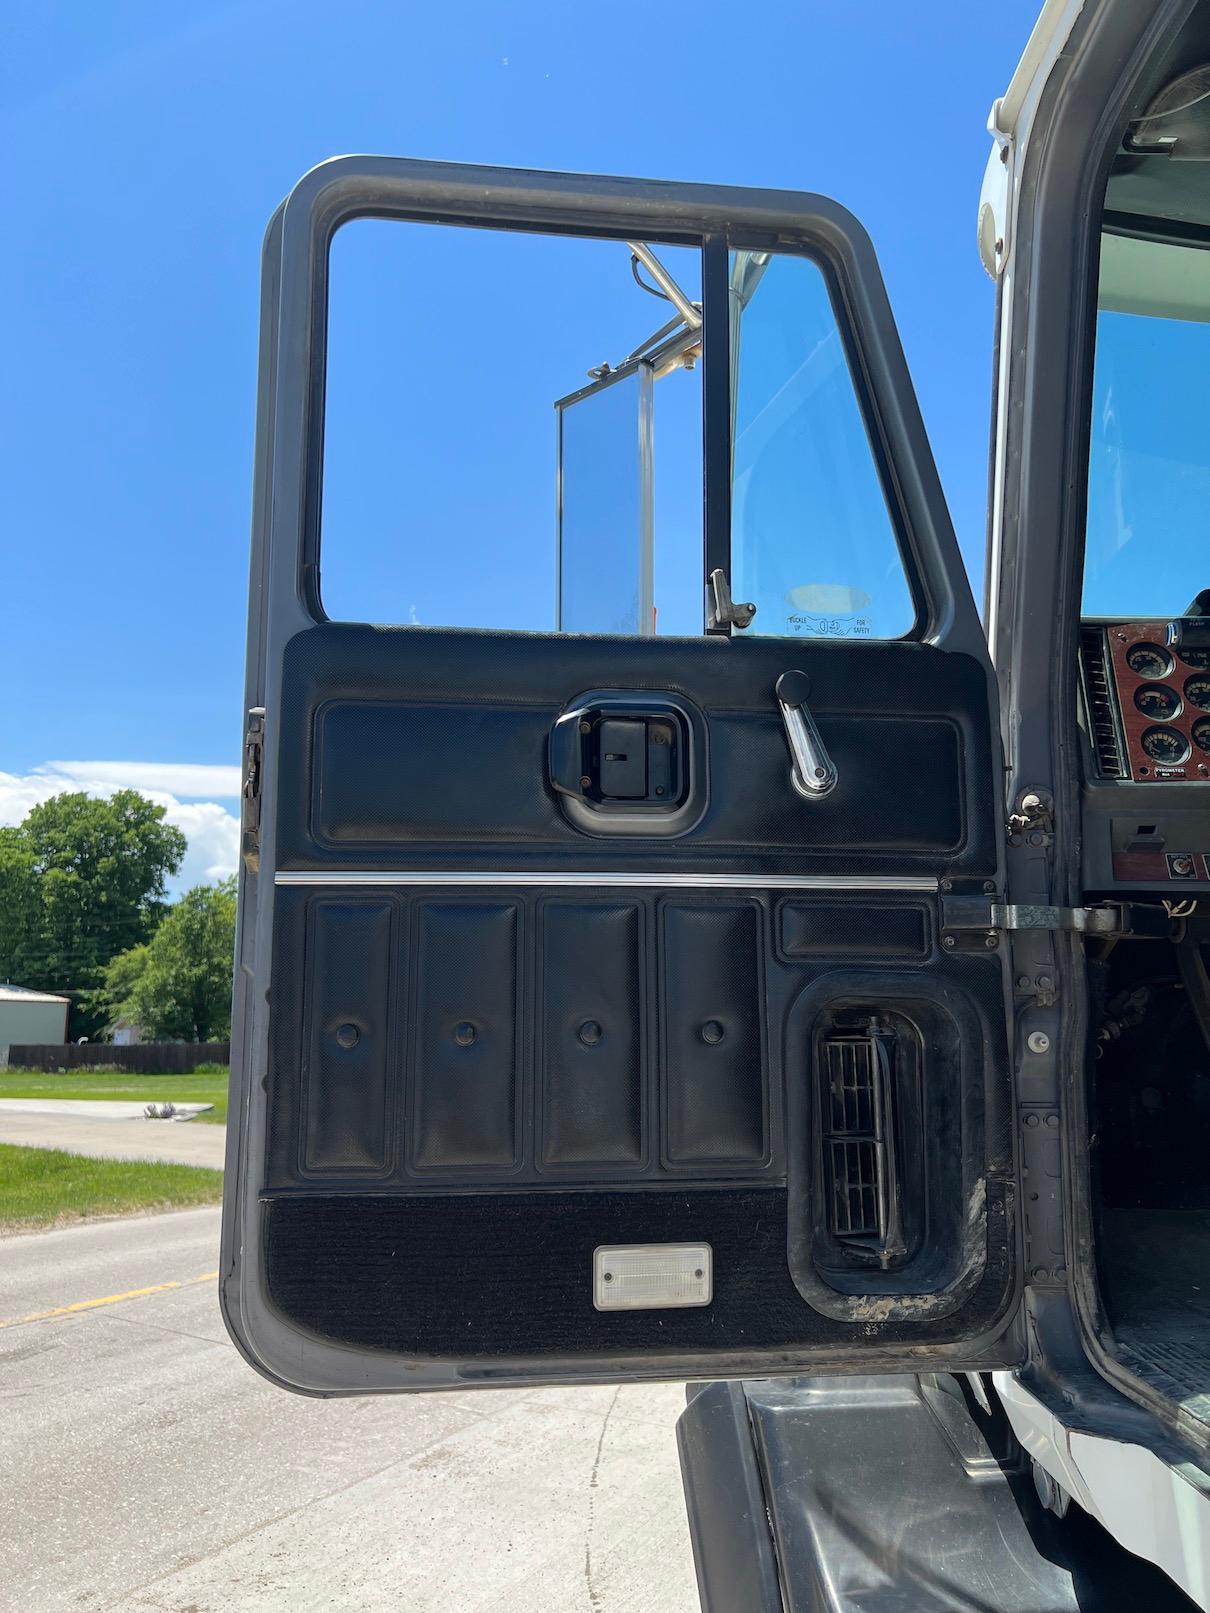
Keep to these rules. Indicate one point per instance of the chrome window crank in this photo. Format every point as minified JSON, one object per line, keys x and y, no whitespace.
{"x":813,"y":772}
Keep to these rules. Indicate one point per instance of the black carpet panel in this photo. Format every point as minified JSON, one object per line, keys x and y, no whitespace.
{"x":478,"y":1277}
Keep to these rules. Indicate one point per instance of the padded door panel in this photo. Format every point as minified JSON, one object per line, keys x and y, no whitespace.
{"x":711,"y":1023}
{"x":445,"y":795}
{"x":465,"y":1081}
{"x":592,"y":1029}
{"x":346,"y":1077}
{"x":416,"y":748}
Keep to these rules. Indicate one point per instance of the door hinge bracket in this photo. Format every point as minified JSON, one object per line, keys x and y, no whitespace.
{"x":965,"y":913}
{"x":254,"y":760}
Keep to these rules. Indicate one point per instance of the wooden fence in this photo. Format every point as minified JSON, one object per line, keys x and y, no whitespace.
{"x":145,"y":1058}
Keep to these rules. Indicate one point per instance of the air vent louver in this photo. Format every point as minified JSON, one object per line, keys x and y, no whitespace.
{"x":1101,"y":703}
{"x":863,"y":1185}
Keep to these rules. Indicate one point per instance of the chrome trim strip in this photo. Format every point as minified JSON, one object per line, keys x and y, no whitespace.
{"x":779,"y":882}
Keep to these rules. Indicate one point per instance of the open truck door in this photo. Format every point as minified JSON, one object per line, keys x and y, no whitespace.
{"x":615,"y":1004}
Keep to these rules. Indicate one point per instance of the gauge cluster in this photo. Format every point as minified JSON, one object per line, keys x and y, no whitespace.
{"x":1164,"y":703}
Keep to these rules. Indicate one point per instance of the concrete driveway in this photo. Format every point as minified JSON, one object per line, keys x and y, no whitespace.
{"x":144,"y":1466}
{"x":35,"y":1124}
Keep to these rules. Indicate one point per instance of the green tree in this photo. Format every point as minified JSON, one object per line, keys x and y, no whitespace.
{"x":118,"y":980}
{"x":82,"y":879}
{"x":179,"y":985}
{"x":19,"y":910}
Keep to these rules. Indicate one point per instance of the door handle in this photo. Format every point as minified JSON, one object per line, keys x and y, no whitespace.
{"x":813,"y":772}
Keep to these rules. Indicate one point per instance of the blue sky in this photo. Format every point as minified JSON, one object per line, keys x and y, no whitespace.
{"x":146,"y":146}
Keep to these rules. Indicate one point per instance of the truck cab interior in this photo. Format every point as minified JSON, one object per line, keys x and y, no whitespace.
{"x":1144,"y":741}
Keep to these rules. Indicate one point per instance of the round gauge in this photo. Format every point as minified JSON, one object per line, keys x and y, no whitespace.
{"x":1157,"y":701}
{"x":1197,"y":691}
{"x":1165,"y":746}
{"x":1149,"y":660}
{"x":1198,"y":658}
{"x":1201,"y":734}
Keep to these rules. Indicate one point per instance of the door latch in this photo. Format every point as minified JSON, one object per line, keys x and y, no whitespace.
{"x":627,"y":763}
{"x":254,"y":762}
{"x":721,"y":610}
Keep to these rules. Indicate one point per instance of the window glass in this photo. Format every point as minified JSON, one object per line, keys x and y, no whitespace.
{"x":1147,"y":553}
{"x":812,"y":541}
{"x":513,"y":439}
{"x":605,"y":493}
{"x":450,"y":351}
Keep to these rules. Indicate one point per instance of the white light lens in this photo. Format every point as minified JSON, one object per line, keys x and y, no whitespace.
{"x":652,"y":1276}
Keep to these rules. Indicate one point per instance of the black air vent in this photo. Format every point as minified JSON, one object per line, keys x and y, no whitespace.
{"x":1101,"y":702}
{"x":864,"y":1213}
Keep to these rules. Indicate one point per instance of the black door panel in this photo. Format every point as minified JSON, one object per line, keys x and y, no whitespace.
{"x":504,"y":1003}
{"x":405,"y":748}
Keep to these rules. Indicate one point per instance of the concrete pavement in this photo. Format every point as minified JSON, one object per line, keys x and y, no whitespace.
{"x":97,"y":1108}
{"x":144,"y":1466}
{"x":193,"y":1143}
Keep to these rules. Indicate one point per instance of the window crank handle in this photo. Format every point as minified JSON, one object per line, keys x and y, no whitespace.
{"x":813,"y":772}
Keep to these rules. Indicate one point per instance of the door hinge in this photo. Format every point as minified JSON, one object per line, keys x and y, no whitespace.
{"x":254,"y":759}
{"x":966,"y":913}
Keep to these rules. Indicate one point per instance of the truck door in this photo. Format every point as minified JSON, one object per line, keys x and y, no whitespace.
{"x":601,"y":1006}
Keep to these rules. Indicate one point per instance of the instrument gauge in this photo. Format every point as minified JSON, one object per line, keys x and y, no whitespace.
{"x":1157,"y":701}
{"x":1199,"y":658}
{"x":1201,"y":734}
{"x":1165,"y":746}
{"x":1149,"y":661}
{"x":1197,"y":691}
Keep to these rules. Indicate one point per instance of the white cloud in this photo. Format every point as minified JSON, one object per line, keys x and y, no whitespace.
{"x":186,"y":779}
{"x":212,"y":831}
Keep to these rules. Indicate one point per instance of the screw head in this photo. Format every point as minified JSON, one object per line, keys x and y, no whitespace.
{"x":712,"y":1033}
{"x":948,"y":942}
{"x":1038,"y":1042}
{"x":590,"y":1032}
{"x":347,"y":1035}
{"x":585,"y":782}
{"x":465,"y":1033}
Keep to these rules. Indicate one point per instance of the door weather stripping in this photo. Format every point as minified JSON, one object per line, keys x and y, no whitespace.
{"x":918,"y":884}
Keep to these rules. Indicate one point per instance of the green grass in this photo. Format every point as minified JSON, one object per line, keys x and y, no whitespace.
{"x":42,"y":1187}
{"x":129,"y":1088}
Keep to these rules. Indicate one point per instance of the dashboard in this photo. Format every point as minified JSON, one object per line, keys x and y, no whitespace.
{"x":1163,"y":698}
{"x":1147,"y":708}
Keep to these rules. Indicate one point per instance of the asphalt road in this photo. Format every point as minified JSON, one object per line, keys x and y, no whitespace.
{"x":144,"y":1466}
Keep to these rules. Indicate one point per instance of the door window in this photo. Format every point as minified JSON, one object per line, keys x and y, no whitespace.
{"x":812,"y":542}
{"x":513,"y":439}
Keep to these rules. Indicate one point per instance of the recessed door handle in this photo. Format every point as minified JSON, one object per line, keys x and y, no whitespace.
{"x":812,"y":771}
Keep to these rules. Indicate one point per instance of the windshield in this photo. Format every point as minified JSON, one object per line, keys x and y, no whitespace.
{"x":1148,"y":537}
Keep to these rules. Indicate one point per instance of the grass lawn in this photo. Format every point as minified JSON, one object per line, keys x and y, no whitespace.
{"x":40,"y":1187}
{"x":129,"y":1088}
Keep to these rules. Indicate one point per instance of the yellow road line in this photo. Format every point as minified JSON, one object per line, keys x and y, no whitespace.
{"x":109,"y":1299}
